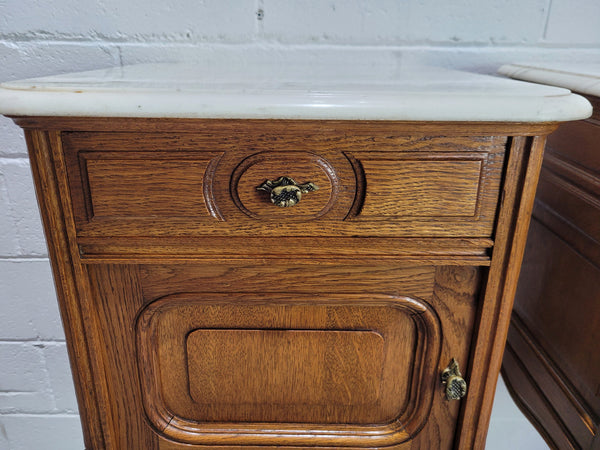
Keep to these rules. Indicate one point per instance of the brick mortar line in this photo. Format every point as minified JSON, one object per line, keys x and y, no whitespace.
{"x":15,"y":156}
{"x":417,"y":44}
{"x":50,"y":413}
{"x":24,"y":258}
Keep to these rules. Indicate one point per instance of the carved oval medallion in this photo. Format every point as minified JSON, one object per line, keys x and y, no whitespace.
{"x":300,"y":166}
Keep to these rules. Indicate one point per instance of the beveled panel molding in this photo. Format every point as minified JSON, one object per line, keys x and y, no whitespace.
{"x":376,"y":354}
{"x":116,"y":189}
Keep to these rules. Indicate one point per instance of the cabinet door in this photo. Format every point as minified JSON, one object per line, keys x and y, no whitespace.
{"x":244,"y":355}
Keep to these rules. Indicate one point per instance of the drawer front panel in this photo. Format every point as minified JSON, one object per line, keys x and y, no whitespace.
{"x":192,"y":185}
{"x":114,"y":187}
{"x":437,"y":186}
{"x":146,"y":188}
{"x":421,"y":188}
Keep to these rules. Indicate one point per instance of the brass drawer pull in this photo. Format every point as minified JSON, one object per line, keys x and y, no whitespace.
{"x":456,"y":386}
{"x":285,"y":191}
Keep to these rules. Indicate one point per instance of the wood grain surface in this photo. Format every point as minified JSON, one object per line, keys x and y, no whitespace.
{"x":403,"y":340}
{"x":311,"y":368}
{"x":187,"y":185}
{"x":196,"y":318}
{"x":128,"y":188}
{"x":522,"y":172}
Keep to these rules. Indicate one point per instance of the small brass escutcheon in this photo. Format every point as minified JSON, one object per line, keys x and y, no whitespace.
{"x":456,"y":386}
{"x":285,"y":191}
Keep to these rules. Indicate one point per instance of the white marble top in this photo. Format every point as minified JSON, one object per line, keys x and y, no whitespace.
{"x":582,"y":78}
{"x":291,"y":91}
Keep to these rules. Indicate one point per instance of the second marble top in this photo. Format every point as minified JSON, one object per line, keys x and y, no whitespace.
{"x":580,"y":77}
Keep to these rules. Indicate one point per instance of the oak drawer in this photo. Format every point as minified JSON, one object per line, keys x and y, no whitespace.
{"x":160,"y":184}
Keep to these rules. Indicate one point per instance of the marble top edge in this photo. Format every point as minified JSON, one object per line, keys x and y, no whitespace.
{"x":293,"y":91}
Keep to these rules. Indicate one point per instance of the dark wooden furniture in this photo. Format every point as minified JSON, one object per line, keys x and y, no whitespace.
{"x":552,"y":360}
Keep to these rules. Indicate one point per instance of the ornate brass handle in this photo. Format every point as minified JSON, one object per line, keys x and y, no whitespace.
{"x":285,"y":191}
{"x":456,"y":386}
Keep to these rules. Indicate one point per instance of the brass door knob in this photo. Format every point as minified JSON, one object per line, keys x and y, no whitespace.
{"x":456,"y":386}
{"x":285,"y":191}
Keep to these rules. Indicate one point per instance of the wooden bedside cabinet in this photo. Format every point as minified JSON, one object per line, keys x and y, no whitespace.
{"x":260,"y":263}
{"x":552,"y":362}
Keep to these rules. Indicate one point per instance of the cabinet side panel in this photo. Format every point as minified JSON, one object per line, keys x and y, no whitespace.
{"x":531,"y":398}
{"x":516,"y":202}
{"x":554,"y":331}
{"x":54,"y":218}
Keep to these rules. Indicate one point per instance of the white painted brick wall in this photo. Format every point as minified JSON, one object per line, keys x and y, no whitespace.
{"x":393,"y":21}
{"x":31,"y":313}
{"x":40,"y":432}
{"x":37,"y":403}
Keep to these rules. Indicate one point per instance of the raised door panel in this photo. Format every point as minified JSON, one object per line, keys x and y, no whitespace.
{"x":559,"y":307}
{"x":553,"y":337}
{"x":309,"y":368}
{"x":359,"y":367}
{"x":337,"y":363}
